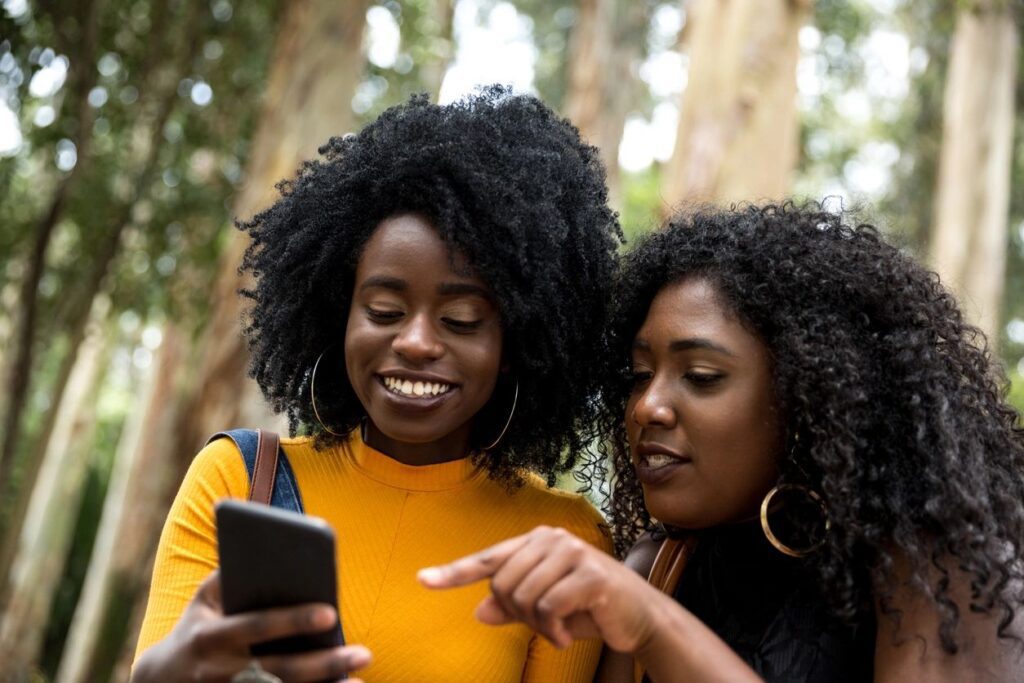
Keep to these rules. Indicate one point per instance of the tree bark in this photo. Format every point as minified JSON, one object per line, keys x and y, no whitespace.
{"x":317,"y":64}
{"x":442,"y":49}
{"x":46,"y":535}
{"x":969,"y":237}
{"x":150,"y":130}
{"x":18,"y":359}
{"x":112,"y":577}
{"x":737,"y":134}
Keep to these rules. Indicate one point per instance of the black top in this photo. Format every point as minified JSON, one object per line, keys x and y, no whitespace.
{"x":766,"y":607}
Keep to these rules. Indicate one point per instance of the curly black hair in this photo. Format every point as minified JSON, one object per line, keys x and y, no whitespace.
{"x":890,"y":403}
{"x":505,"y":182}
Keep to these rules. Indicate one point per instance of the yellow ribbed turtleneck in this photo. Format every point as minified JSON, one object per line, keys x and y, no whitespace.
{"x":390,"y":519}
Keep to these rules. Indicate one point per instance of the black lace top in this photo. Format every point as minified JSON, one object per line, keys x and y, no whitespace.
{"x":766,"y":607}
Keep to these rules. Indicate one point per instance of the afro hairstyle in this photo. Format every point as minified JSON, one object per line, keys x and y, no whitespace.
{"x":891,"y":406}
{"x":506,"y":183}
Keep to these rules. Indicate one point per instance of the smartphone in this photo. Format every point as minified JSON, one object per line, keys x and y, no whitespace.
{"x":276,"y":558}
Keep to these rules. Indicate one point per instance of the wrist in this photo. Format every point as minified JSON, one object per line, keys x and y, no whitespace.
{"x":657,"y":619}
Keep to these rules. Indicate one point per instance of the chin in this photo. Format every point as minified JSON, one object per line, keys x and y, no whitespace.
{"x":668,"y":509}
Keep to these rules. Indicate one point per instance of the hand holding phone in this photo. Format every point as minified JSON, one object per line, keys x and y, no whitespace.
{"x":205,"y":644}
{"x":276,"y":558}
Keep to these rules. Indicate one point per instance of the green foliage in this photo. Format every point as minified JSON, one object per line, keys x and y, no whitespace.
{"x":174,"y":218}
{"x":641,"y":201}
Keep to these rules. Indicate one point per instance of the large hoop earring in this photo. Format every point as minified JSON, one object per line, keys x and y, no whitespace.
{"x":774,"y":540}
{"x":312,"y":395}
{"x":515,"y":401}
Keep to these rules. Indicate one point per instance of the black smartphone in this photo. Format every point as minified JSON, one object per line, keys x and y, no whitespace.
{"x":276,"y":558}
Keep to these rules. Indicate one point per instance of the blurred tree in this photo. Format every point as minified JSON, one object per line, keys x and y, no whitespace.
{"x":317,"y":64}
{"x":605,"y":50}
{"x":970,"y":235}
{"x":737,"y":134}
{"x":76,"y":34}
{"x":101,"y":619}
{"x":46,"y":534}
{"x":140,"y":164}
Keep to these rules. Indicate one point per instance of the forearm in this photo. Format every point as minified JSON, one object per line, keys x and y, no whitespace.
{"x":681,"y":648}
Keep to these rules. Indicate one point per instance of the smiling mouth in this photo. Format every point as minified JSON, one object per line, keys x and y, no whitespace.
{"x":408,"y":388}
{"x":657,"y":460}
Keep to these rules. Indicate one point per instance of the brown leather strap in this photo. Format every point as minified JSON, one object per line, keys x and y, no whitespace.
{"x":668,"y":567}
{"x":265,"y":471}
{"x":669,"y":563}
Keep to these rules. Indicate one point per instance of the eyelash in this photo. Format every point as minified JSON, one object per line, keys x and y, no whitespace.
{"x":382,"y":316}
{"x":703,"y":379}
{"x":700,"y":380}
{"x":461,"y":326}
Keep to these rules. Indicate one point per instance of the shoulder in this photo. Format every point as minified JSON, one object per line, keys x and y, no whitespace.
{"x":640,"y":557}
{"x":571,"y":511}
{"x":220,"y":465}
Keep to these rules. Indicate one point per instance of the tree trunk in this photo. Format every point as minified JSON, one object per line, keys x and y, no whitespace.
{"x":969,"y":238}
{"x":17,"y":366}
{"x":590,"y":49}
{"x":112,"y":579}
{"x":318,"y":63}
{"x":150,"y":130}
{"x":46,"y":535}
{"x":737,"y":134}
{"x":442,"y":50}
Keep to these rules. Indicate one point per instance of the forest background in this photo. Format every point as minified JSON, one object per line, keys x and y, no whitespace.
{"x":132,"y":132}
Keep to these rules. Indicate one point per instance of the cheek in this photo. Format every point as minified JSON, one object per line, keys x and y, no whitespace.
{"x":632,"y":428}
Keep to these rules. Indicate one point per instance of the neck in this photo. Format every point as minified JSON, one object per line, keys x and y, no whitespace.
{"x":454,"y":446}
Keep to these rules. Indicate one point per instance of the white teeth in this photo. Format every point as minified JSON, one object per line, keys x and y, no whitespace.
{"x":416,"y":389}
{"x":656,"y":460}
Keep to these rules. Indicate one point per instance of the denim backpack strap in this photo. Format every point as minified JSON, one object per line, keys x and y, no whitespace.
{"x":286,"y":491}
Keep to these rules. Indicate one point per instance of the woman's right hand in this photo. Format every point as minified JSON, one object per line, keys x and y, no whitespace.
{"x":208,"y":646}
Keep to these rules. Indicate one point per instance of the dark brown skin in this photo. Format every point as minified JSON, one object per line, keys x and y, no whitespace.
{"x":207,"y":646}
{"x":704,"y":394}
{"x":416,"y":313}
{"x":703,"y":391}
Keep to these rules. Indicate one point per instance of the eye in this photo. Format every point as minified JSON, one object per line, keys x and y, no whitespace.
{"x":703,"y":380}
{"x":462,"y":326}
{"x":378,"y":315}
{"x":639,"y":377}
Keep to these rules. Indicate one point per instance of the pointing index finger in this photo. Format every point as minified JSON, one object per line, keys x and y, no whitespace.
{"x":471,"y":568}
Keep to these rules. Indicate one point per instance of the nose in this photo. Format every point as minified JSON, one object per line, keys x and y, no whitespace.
{"x":418,"y":341}
{"x":653,"y":409}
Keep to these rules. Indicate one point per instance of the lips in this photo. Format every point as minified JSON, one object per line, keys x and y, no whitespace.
{"x":414,"y":391}
{"x":656,"y":462}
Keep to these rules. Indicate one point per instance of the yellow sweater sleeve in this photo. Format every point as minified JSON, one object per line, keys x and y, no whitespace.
{"x":187,"y":552}
{"x":579,"y":661}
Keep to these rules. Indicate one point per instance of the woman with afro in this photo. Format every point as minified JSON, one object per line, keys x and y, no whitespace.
{"x":427,"y":310}
{"x":806,"y":429}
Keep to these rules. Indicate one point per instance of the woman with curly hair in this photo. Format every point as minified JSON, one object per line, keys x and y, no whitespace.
{"x":425,"y":310}
{"x":817,"y":440}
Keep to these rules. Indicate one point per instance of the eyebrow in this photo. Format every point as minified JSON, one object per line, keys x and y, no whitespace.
{"x":444,"y":289}
{"x":689,"y":344}
{"x":386,"y":282}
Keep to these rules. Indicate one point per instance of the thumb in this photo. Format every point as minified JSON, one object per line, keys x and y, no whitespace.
{"x":208,"y":592}
{"x":490,"y":612}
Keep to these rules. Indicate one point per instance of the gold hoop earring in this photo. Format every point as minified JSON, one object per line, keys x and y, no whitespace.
{"x":515,"y":401}
{"x":312,"y":395}
{"x":773,"y":539}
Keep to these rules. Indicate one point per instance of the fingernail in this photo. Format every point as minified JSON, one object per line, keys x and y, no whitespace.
{"x":358,"y":657}
{"x":323,"y":617}
{"x":430,"y":575}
